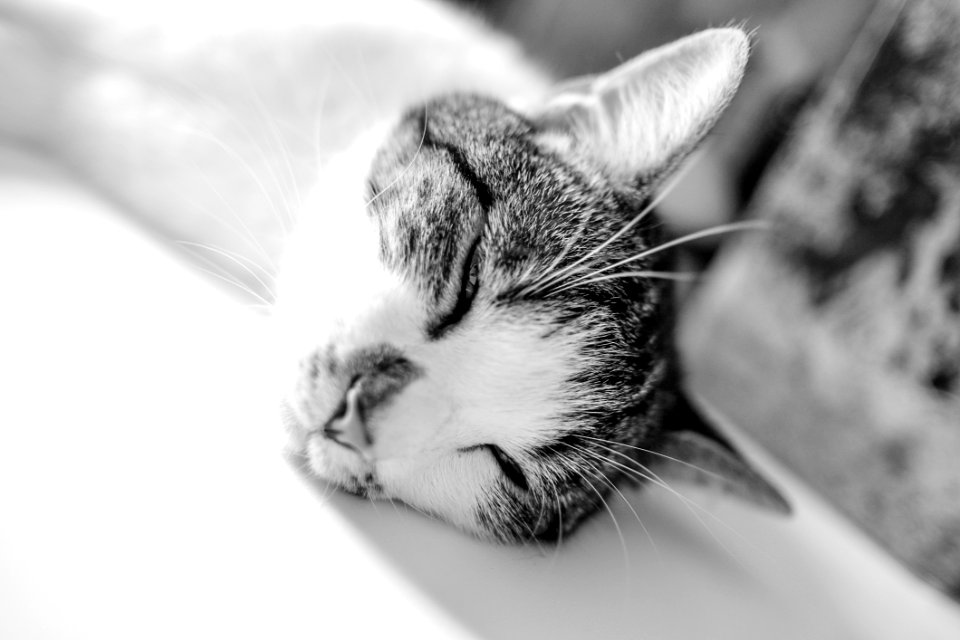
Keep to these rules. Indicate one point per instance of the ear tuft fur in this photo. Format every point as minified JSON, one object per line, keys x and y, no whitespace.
{"x":641,"y":119}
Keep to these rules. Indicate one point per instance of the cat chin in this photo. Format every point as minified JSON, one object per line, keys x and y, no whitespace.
{"x":444,"y":485}
{"x":458,"y":487}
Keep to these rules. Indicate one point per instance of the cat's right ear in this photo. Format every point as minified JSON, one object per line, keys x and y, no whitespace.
{"x":641,"y":119}
{"x":692,"y":449}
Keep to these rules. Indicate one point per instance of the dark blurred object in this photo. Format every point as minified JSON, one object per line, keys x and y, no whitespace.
{"x":835,"y":339}
{"x":575,"y":37}
{"x":797,"y":42}
{"x":771,"y":132}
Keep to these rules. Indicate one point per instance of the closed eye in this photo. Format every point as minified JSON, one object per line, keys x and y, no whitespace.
{"x":508,"y":466}
{"x":469,"y":284}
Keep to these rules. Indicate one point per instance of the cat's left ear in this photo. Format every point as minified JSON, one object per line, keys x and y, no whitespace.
{"x":692,"y":450}
{"x":640,"y":120}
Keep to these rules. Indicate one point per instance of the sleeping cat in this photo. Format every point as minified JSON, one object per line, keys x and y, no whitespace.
{"x":474,"y":305}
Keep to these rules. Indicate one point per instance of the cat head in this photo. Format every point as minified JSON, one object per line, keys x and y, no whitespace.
{"x":474,"y":322}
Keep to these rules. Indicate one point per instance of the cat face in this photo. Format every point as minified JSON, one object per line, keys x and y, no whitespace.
{"x":468,"y":322}
{"x":462,"y":368}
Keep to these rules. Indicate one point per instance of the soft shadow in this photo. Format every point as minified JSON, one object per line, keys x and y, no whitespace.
{"x":686,"y":575}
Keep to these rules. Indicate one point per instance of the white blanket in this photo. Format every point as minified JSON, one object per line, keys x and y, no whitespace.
{"x":143,"y":493}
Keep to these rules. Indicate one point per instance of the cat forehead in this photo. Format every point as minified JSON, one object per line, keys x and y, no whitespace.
{"x":457,"y":143}
{"x":476,"y":124}
{"x":463,"y":166}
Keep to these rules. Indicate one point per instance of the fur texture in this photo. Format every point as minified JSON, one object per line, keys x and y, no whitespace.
{"x":474,"y":256}
{"x":474,"y":309}
{"x":529,"y":372}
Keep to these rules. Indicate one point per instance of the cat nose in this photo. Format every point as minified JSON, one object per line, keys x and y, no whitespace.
{"x":347,"y":426}
{"x":379,"y":373}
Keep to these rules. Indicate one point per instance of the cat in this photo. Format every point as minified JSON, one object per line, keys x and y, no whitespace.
{"x":474,"y":305}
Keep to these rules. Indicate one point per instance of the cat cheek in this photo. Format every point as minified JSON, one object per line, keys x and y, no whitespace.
{"x":417,"y":420}
{"x":333,"y":463}
{"x":450,"y":485}
{"x":318,"y":458}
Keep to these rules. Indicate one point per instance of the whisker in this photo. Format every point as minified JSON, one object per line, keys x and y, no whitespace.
{"x":240,"y":261}
{"x":655,"y":453}
{"x":581,"y":470}
{"x":675,"y":180}
{"x":543,"y":505}
{"x":243,"y":126}
{"x":634,"y":512}
{"x":241,"y":231}
{"x":641,"y":473}
{"x":533,"y":534}
{"x":251,"y":173}
{"x":247,"y":261}
{"x":691,"y":504}
{"x":656,"y":275}
{"x":401,"y":174}
{"x":748,"y":225}
{"x":233,"y":282}
{"x":293,"y":187}
{"x":584,"y":219}
{"x":285,"y":153}
{"x":186,"y":94}
{"x":645,"y":473}
{"x":616,"y":525}
{"x":556,"y":553}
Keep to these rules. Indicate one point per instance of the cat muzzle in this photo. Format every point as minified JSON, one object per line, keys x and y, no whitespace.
{"x":347,"y":427}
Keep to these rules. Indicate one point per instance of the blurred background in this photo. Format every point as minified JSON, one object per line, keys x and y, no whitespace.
{"x":798,"y":44}
{"x":839,"y":370}
{"x":575,"y":37}
{"x":176,"y":521}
